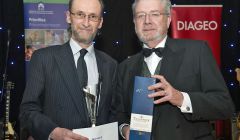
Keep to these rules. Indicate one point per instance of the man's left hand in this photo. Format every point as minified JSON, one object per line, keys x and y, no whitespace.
{"x":167,"y":93}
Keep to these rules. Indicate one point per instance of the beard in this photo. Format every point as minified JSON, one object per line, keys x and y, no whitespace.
{"x":146,"y":37}
{"x":81,"y":37}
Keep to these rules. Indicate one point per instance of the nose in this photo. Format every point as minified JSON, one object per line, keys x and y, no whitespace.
{"x":147,"y":19}
{"x":86,"y":21}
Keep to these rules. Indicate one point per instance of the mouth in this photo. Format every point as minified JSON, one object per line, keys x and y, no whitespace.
{"x":85,"y":29}
{"x":148,"y":30}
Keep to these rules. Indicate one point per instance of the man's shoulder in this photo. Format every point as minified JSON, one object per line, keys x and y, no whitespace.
{"x":131,"y":59}
{"x":49,"y":49}
{"x":105,"y":56}
{"x":48,"y":52}
{"x":186,"y":41}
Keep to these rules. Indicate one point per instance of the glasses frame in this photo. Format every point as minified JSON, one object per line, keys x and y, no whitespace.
{"x":152,"y":15}
{"x":82,"y":15}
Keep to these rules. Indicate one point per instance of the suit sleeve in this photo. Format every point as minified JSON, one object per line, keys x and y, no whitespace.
{"x":123,"y":106}
{"x":39,"y":125}
{"x":115,"y":97}
{"x":213,"y":101}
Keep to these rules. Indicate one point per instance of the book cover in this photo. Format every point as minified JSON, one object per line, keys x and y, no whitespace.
{"x":142,"y":109}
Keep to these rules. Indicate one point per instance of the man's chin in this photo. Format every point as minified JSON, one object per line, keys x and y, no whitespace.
{"x":84,"y":40}
{"x":147,"y":39}
{"x":150,"y":38}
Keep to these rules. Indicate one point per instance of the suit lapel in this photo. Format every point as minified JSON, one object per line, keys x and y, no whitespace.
{"x":66,"y":64}
{"x":172,"y":59}
{"x":135,"y":68}
{"x":102,"y":71}
{"x":136,"y":65}
{"x":171,"y":62}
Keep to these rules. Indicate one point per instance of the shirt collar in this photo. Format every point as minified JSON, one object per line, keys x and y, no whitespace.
{"x":160,"y":44}
{"x":76,"y":47}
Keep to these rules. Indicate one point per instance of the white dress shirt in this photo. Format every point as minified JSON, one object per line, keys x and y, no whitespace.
{"x":90,"y":60}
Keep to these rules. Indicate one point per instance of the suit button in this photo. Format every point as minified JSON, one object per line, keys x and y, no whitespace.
{"x":177,"y":126}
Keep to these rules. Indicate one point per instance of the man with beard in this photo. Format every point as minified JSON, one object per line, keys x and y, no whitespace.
{"x":53,"y":103}
{"x":190,"y":91}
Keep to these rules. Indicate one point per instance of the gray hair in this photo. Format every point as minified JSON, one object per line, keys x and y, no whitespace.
{"x":100,"y":1}
{"x":167,"y":5}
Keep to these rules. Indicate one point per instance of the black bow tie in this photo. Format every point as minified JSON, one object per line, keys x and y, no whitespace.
{"x":147,"y":52}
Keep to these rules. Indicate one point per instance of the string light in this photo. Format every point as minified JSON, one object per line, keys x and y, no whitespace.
{"x":232,"y":45}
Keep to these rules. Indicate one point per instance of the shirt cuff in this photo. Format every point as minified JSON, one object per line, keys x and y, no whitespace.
{"x":186,"y":105}
{"x":120,"y":129}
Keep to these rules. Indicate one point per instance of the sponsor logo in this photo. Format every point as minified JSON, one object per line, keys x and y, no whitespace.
{"x":41,"y":7}
{"x":198,"y":25}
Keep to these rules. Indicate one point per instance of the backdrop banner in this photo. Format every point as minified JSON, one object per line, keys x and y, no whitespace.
{"x":200,"y":22}
{"x":45,"y":24}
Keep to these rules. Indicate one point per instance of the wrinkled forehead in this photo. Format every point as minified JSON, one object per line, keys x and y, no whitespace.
{"x":149,"y":5}
{"x":88,"y":6}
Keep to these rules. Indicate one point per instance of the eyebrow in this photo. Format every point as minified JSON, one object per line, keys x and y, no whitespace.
{"x":155,"y":11}
{"x":149,"y":12}
{"x":79,"y":11}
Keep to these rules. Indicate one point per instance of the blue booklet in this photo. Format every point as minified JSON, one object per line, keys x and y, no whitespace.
{"x":142,"y":109}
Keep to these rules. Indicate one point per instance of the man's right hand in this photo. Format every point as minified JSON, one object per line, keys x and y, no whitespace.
{"x":65,"y":134}
{"x":126,"y":131}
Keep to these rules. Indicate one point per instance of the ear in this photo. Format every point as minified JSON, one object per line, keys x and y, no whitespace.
{"x":68,"y":18}
{"x":169,"y":21}
{"x":100,"y":23}
{"x":134,"y":21}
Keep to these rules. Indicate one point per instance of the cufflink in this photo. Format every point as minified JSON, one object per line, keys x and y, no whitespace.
{"x":188,"y":108}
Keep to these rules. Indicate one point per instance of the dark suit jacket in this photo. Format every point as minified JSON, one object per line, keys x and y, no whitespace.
{"x":189,"y":67}
{"x":53,"y":97}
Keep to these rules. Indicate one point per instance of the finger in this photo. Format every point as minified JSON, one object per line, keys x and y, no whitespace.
{"x":127,"y":135}
{"x":157,"y":94}
{"x":161,"y":100}
{"x":83,"y":138}
{"x":157,"y":86}
{"x":161,"y":78}
{"x":76,"y":136}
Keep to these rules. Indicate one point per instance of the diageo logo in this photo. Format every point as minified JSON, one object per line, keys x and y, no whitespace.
{"x":198,"y":25}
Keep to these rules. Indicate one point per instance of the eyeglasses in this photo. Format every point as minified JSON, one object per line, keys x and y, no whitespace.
{"x":153,"y":15}
{"x":82,"y":15}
